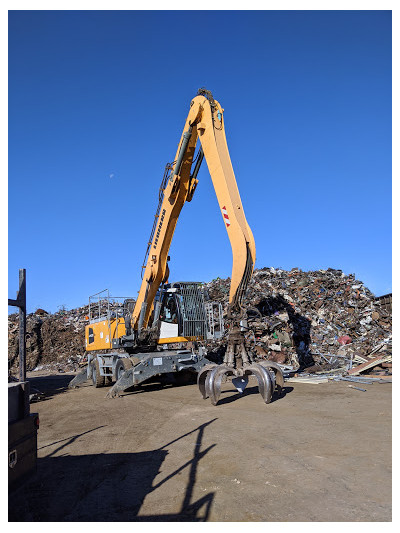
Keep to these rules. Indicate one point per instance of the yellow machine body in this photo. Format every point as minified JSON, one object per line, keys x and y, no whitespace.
{"x":99,"y":335}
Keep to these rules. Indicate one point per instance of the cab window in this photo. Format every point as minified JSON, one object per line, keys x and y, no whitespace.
{"x":169,"y":312}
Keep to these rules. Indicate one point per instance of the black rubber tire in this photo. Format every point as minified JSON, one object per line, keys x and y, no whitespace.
{"x":123,"y":364}
{"x":97,"y":379}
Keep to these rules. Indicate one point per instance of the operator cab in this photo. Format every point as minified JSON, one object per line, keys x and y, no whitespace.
{"x":169,"y":313}
{"x":182,"y":312}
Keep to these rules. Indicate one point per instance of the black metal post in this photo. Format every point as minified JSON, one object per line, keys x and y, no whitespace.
{"x":21,"y":303}
{"x":22,"y":324}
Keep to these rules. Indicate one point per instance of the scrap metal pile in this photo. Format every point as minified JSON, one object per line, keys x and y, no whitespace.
{"x":313,"y":321}
{"x":53,"y":341}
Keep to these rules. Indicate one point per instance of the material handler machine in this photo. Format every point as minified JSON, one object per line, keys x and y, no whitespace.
{"x":140,"y":331}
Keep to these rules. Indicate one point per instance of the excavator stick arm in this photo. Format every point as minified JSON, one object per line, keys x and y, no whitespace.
{"x":213,"y":141}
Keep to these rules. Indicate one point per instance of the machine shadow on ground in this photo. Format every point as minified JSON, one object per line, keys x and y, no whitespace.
{"x":106,"y":487}
{"x":250,"y":390}
{"x":50,"y":385}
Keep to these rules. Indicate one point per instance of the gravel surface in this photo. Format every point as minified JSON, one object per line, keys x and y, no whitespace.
{"x":320,"y":453}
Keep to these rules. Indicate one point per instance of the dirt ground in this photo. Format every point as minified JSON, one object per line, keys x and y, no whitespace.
{"x":320,"y":453}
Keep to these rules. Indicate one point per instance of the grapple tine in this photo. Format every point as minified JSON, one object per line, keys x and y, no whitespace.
{"x":278,"y":373}
{"x":214,"y":381}
{"x":201,"y":379}
{"x":208,"y":385}
{"x":265,"y":386}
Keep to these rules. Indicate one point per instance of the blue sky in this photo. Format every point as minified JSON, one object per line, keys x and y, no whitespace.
{"x":97,"y":103}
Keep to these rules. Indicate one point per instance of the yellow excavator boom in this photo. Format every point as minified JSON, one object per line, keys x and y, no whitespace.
{"x":205,"y":122}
